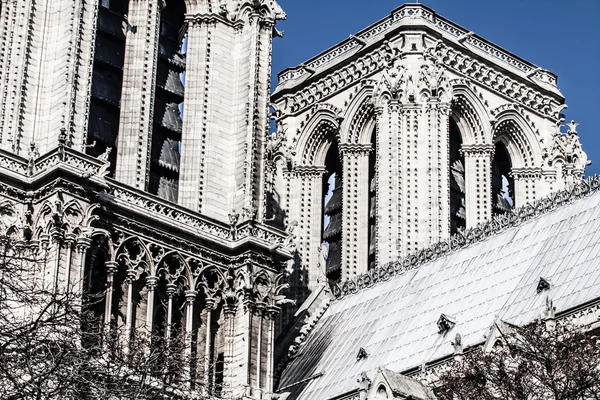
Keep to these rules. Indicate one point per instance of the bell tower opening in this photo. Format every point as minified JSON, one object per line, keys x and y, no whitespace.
{"x":168,"y":103}
{"x":332,"y":213}
{"x":457,"y":179}
{"x":372,"y":201}
{"x":503,"y":185}
{"x":107,"y":80}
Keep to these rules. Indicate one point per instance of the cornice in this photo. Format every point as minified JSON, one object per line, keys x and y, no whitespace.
{"x":86,"y":176}
{"x":471,"y":69}
{"x":472,"y":236}
{"x":334,"y":82}
{"x":415,"y":14}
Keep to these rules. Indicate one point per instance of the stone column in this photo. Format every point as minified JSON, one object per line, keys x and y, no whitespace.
{"x":272,"y":313}
{"x":139,"y":74}
{"x":355,"y":234}
{"x":111,"y":269}
{"x":478,"y":182}
{"x":171,"y":290}
{"x":389,"y":212}
{"x":82,"y":244}
{"x":190,"y":298}
{"x":309,"y":216}
{"x":229,"y":327}
{"x":210,"y":305}
{"x":438,"y":118}
{"x":413,"y":181}
{"x":129,"y":323}
{"x":14,"y":25}
{"x":151,"y":283}
{"x":69,"y":246}
{"x":196,"y":126}
{"x":260,"y":313}
{"x":242,"y":347}
{"x":225,"y":110}
{"x":526,"y":180}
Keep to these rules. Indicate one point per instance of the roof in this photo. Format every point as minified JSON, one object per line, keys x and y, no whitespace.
{"x":394,"y":315}
{"x":416,"y":15}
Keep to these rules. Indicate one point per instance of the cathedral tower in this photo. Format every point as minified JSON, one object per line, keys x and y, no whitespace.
{"x":132,"y":147}
{"x":407,"y":132}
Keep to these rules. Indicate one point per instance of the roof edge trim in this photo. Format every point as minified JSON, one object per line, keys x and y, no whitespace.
{"x":379,"y":29}
{"x":469,"y":237}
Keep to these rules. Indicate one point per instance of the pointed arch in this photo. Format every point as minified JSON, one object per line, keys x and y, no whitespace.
{"x":470,"y":115}
{"x":358,"y":122}
{"x":321,"y":130}
{"x":512,"y":129}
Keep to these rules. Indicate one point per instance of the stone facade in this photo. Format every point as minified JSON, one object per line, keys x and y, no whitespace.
{"x":139,"y":205}
{"x":436,"y":131}
{"x":135,"y":145}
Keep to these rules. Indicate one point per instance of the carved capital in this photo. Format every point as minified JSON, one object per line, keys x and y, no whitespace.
{"x":190,"y":296}
{"x":69,"y":238}
{"x":83,"y":243}
{"x":355,"y":150}
{"x":477,"y":150}
{"x":130,"y":274}
{"x":111,"y":267}
{"x":273,"y":311}
{"x":151,"y":282}
{"x":309,"y":171}
{"x":525,"y":173}
{"x":210,"y":303}
{"x":171,"y":290}
{"x":229,"y":309}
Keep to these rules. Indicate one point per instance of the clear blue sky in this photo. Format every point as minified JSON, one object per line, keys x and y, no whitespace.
{"x":561,"y":36}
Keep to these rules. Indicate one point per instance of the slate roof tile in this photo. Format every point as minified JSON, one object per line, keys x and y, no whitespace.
{"x":395,"y":320}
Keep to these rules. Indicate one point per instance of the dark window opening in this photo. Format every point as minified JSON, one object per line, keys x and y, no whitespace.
{"x":457,"y":180}
{"x":332,"y":214}
{"x":107,"y":81}
{"x":168,"y":104}
{"x":372,"y":202}
{"x":503,"y":185}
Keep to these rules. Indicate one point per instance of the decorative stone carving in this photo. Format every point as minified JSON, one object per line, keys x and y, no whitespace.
{"x":566,"y":152}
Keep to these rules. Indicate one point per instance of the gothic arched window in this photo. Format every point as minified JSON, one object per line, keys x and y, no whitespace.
{"x":332,"y":213}
{"x":457,"y":180}
{"x":168,"y":103}
{"x":107,"y":80}
{"x":502,"y":181}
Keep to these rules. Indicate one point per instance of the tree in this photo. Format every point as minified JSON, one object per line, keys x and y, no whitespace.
{"x":52,"y":345}
{"x":528,"y":363}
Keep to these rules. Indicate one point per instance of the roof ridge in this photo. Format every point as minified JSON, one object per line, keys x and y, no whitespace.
{"x":463,"y":239}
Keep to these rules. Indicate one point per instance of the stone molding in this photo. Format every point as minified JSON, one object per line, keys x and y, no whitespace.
{"x":336,"y":81}
{"x":84,"y":166}
{"x":426,"y":15}
{"x":477,"y":150}
{"x":471,"y":236}
{"x":526,"y":173}
{"x":308,"y":171}
{"x":355,"y":149}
